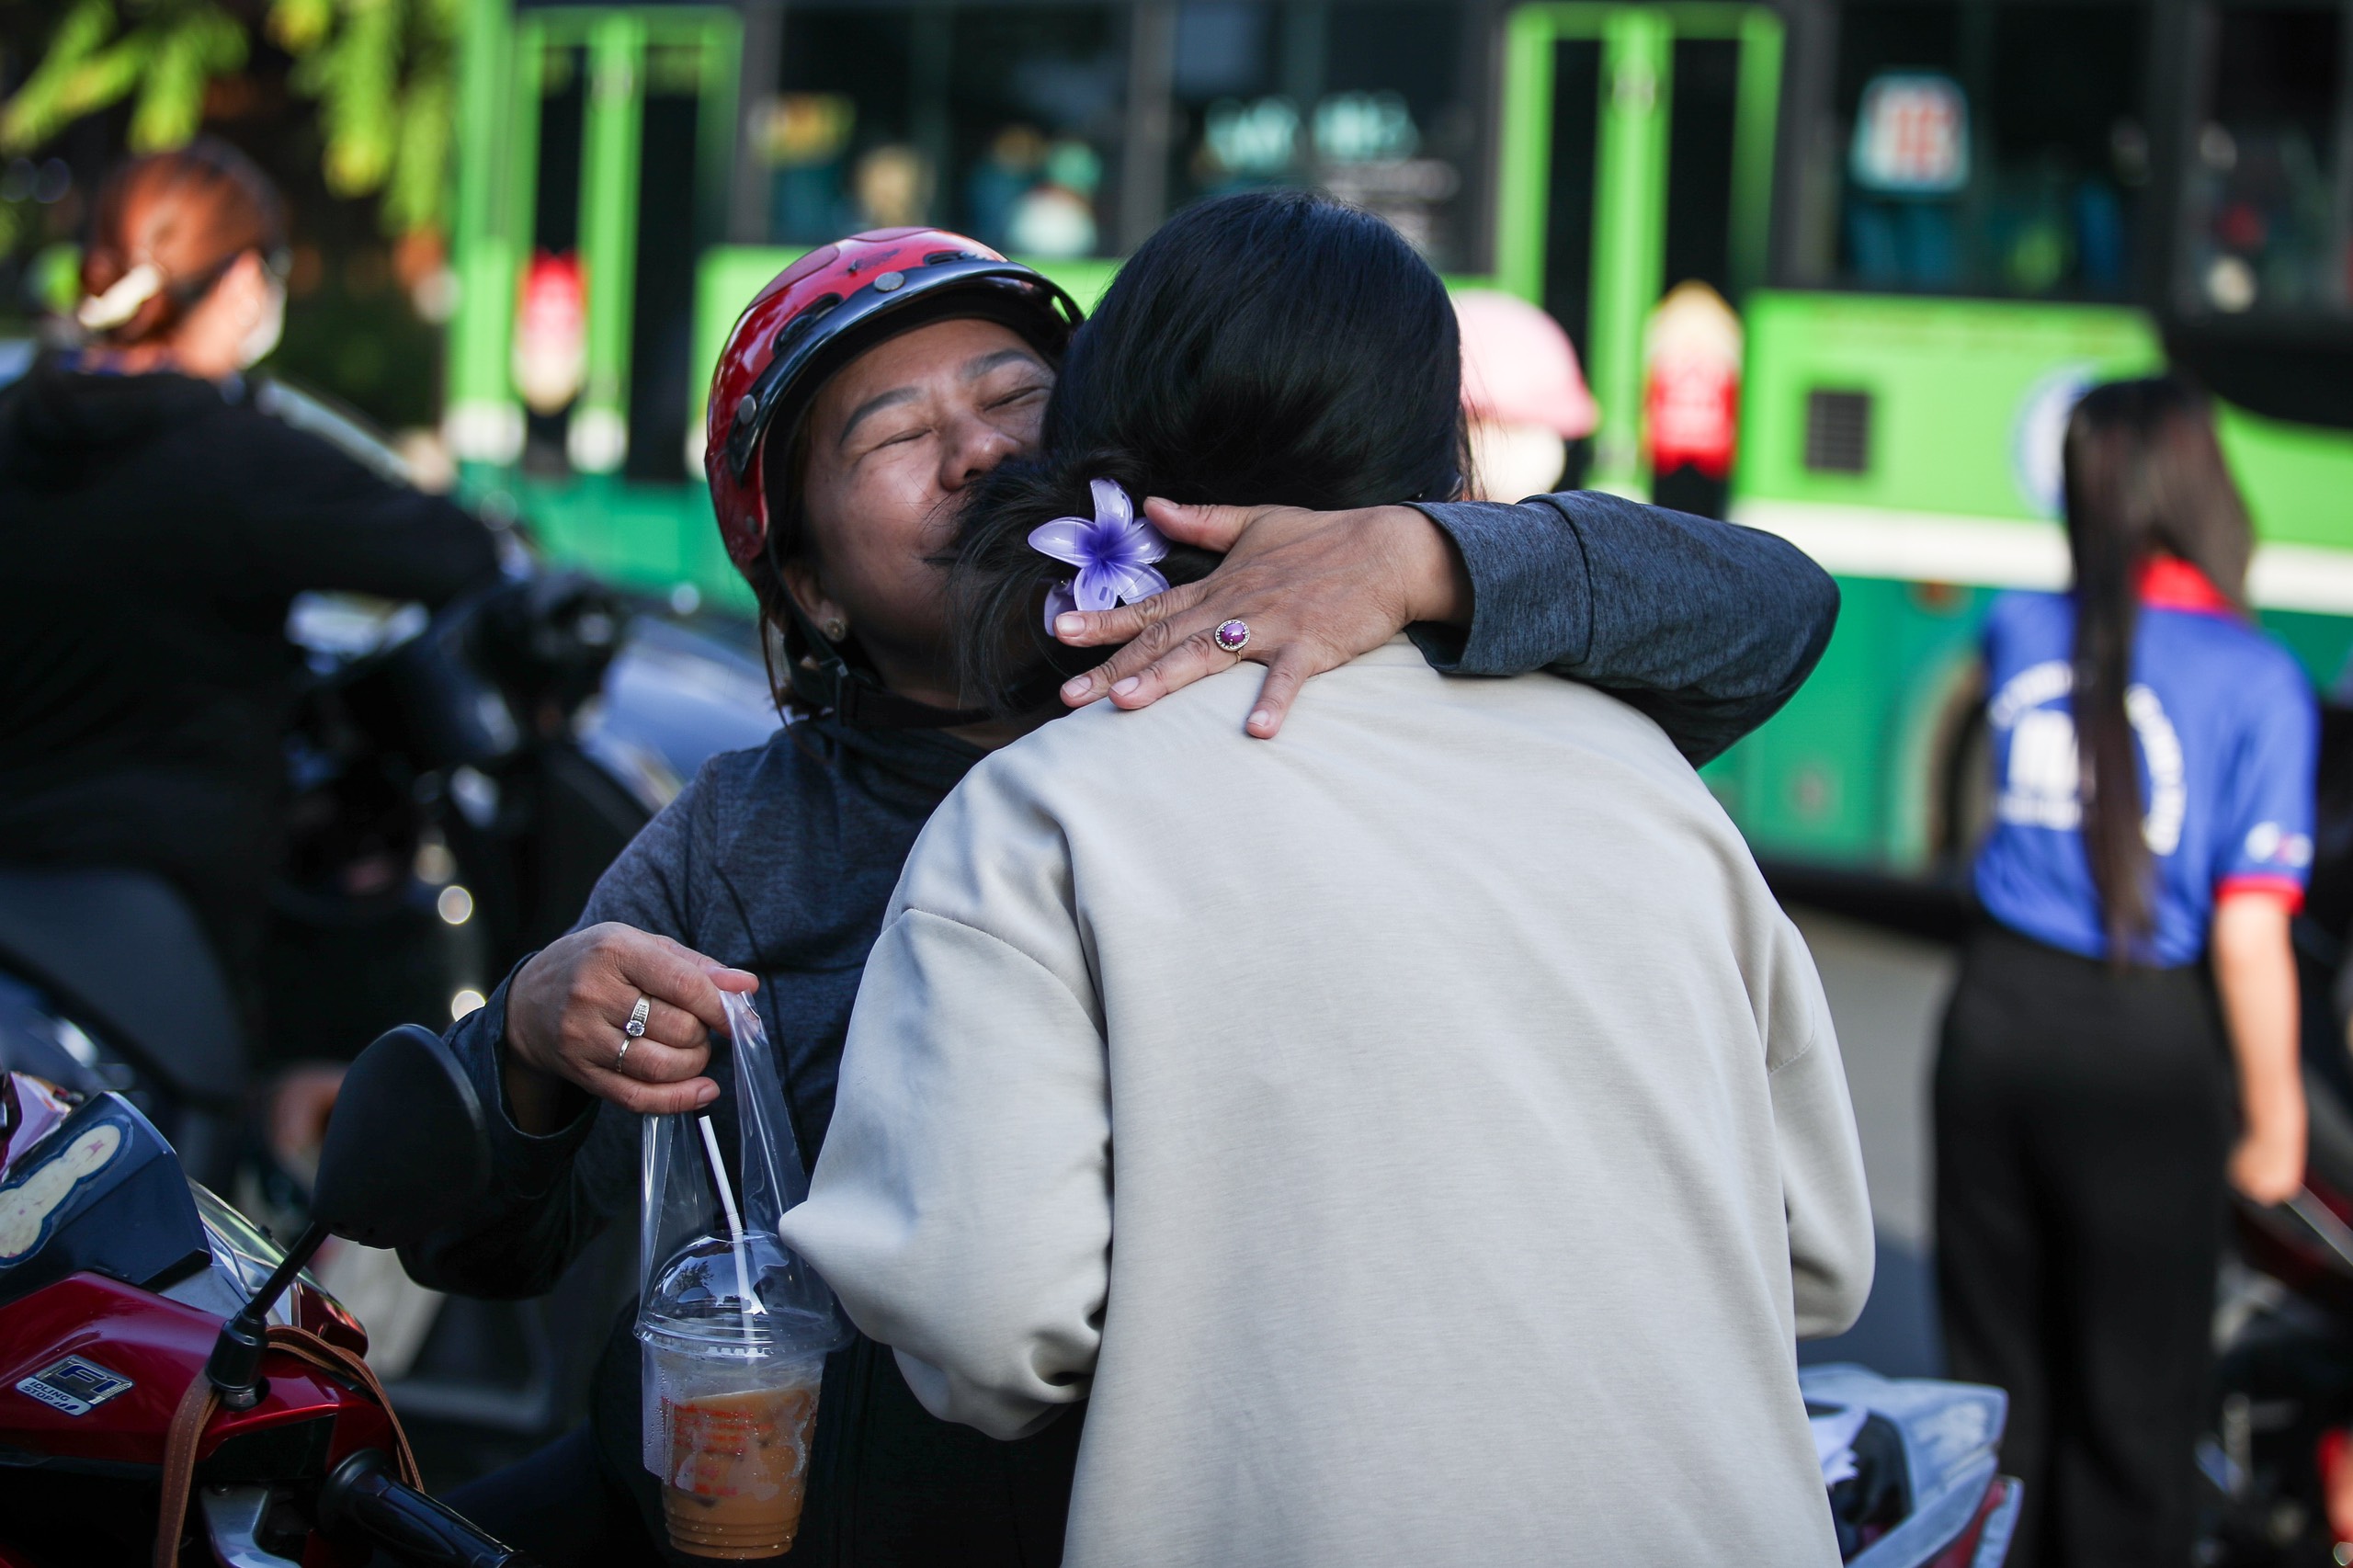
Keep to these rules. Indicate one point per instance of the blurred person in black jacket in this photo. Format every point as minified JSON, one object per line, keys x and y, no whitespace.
{"x":156,"y":529}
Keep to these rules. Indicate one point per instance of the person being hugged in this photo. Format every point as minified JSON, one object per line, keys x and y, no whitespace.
{"x":859,"y":399}
{"x":1482,"y":1146}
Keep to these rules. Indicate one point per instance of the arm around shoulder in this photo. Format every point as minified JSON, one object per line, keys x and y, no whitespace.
{"x":1708,"y":626}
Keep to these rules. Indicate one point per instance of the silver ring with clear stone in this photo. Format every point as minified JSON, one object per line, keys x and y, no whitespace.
{"x":1233,"y":635}
{"x":634,"y":1029}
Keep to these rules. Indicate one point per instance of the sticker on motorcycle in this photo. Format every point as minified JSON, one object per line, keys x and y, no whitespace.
{"x":25,"y":1208}
{"x":73,"y":1385}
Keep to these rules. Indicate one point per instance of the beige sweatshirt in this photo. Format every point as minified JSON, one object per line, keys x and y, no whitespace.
{"x":1421,"y":1135}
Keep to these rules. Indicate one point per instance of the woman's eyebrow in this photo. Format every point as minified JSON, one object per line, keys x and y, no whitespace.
{"x":980,"y":365}
{"x":873,"y":405}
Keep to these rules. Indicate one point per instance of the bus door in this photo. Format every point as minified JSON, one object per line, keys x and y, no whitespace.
{"x":1637,"y":154}
{"x":592,"y":159}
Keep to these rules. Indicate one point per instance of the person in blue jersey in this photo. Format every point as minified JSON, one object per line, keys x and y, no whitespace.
{"x":2121,"y":1045}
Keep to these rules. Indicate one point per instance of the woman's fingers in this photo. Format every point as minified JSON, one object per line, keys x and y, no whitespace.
{"x":1284,"y":676}
{"x":661,"y":1071}
{"x":1211,"y":527}
{"x":1315,"y":589}
{"x":659,"y":967}
{"x":718,"y":973}
{"x":1195,"y":655}
{"x":665,"y":1026}
{"x":1160,"y":629}
{"x":568,"y":1010}
{"x":650,"y":1099}
{"x":1124,"y":623}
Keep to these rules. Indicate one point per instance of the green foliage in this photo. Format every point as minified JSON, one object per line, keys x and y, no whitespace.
{"x":53,"y":276}
{"x":160,"y":54}
{"x":384,"y":74}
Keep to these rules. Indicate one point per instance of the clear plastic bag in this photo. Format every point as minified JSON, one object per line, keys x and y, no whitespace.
{"x":732,"y":1326}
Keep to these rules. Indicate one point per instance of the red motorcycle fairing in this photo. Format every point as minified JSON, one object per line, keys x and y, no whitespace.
{"x":305,"y":1423}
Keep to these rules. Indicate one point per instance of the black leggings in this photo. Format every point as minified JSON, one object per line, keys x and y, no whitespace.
{"x":2083,"y":1119}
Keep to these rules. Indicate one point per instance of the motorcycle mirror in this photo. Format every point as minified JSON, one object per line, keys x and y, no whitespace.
{"x":407,"y":1152}
{"x":407,"y":1148}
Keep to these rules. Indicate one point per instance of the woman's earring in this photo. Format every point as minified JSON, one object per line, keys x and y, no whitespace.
{"x":836,"y":629}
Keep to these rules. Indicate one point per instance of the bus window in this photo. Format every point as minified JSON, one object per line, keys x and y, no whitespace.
{"x":1376,"y":101}
{"x":2266,"y":221}
{"x":1568,"y":200}
{"x":1000,"y":121}
{"x":550,"y":343}
{"x":1990,"y":149}
{"x":1700,"y":156}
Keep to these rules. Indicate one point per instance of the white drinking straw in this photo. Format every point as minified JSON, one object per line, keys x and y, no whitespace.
{"x":734,"y":1220}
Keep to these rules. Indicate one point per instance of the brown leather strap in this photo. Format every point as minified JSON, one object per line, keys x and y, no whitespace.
{"x":352,"y":1367}
{"x":195,"y":1412}
{"x":195,"y":1408}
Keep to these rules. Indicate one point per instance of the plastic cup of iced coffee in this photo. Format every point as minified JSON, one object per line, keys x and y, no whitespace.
{"x":731,"y":1405}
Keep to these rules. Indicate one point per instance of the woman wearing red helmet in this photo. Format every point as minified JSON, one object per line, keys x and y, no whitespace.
{"x":861,"y":392}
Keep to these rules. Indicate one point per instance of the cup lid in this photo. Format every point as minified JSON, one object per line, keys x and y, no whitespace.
{"x":697,"y":1303}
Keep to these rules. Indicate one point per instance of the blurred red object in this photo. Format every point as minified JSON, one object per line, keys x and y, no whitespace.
{"x":1691,"y":399}
{"x":2334,"y":1457}
{"x":551,"y":333}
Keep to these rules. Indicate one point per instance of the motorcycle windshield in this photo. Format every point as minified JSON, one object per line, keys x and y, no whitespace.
{"x":242,"y":1257}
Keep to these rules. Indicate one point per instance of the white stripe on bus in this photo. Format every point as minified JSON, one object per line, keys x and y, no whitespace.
{"x":1995,"y":553}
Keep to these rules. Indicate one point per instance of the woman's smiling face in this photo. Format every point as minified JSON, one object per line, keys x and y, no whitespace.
{"x":893,"y":439}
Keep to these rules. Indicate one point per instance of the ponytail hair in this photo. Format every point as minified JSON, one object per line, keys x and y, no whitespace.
{"x":1271,"y":347}
{"x":2144,"y":477}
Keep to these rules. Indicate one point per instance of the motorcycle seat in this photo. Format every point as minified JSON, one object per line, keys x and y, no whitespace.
{"x":121,"y":952}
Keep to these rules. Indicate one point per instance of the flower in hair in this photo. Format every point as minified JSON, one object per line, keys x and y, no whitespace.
{"x":1113,"y":551}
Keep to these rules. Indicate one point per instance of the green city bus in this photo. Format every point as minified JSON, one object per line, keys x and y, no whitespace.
{"x":1936,"y":220}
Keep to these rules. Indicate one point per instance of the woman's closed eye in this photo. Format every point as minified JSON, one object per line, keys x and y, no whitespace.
{"x":1020,"y":396}
{"x":888,"y":432}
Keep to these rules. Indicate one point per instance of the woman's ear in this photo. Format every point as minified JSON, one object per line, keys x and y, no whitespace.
{"x":806,"y":584}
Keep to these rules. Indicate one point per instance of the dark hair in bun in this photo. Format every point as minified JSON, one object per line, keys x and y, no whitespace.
{"x":1275,"y":346}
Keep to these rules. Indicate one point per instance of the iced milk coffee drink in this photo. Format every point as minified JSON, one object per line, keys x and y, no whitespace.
{"x":731,"y":1396}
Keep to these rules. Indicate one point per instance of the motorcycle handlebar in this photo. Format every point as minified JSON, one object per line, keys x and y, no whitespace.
{"x":362,"y":1501}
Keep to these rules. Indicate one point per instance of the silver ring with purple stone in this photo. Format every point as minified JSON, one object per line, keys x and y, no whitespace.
{"x":1233,"y":635}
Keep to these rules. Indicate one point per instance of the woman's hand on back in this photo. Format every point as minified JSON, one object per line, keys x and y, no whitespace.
{"x":1315,"y":588}
{"x":565,"y":1013}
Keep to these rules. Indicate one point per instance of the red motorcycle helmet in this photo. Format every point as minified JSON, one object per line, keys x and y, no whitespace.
{"x":819,"y":313}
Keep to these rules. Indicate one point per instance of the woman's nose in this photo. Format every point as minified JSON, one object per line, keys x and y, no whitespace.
{"x":974,"y":447}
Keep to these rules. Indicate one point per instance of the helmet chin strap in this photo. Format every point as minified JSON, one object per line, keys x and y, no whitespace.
{"x":824,"y":678}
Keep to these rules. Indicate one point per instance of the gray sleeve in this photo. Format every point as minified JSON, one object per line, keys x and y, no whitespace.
{"x":551,"y":1195}
{"x":1707,"y":627}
